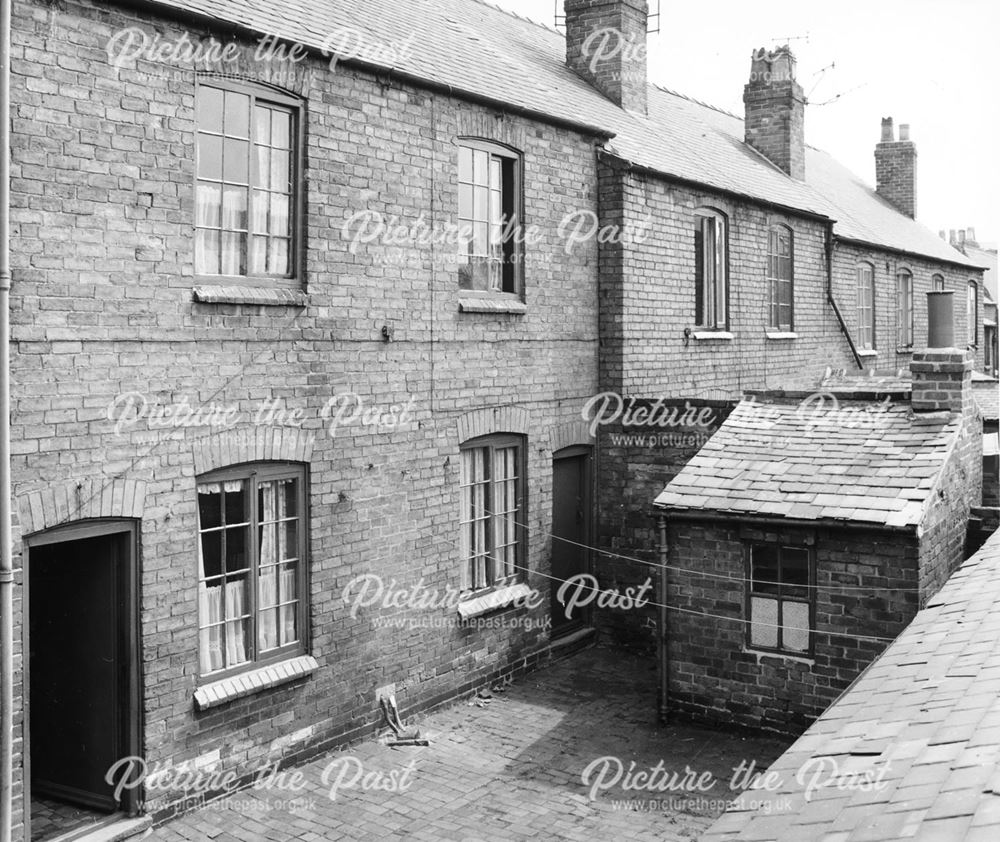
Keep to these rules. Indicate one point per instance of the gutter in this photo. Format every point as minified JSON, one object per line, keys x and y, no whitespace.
{"x":6,"y":554}
{"x":704,"y":187}
{"x":832,"y":300}
{"x":187,"y":16}
{"x":713,"y":516}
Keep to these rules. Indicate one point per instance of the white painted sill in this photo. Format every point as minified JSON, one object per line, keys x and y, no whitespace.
{"x":254,"y":681}
{"x":868,"y":353}
{"x":257,"y":296}
{"x":500,"y":598}
{"x":781,"y":334}
{"x":490,"y":304}
{"x":716,"y":335}
{"x":780,"y":656}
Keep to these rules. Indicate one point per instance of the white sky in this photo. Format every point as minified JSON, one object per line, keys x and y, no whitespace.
{"x":934,"y":64}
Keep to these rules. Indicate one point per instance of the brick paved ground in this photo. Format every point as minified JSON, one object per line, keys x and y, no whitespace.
{"x":508,"y":770}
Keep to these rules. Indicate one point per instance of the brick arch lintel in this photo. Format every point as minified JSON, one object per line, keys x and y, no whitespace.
{"x":571,"y":433}
{"x":499,"y":419}
{"x":252,"y":444}
{"x":67,"y":502}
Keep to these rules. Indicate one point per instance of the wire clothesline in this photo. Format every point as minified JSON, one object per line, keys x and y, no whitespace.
{"x":741,"y":580}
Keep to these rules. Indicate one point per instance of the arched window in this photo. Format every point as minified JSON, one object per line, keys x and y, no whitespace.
{"x":248,"y":183}
{"x":489,"y":212}
{"x":972,"y":313}
{"x":491,"y":493}
{"x":904,"y":309}
{"x":711,"y":269}
{"x":866,"y":306}
{"x":937,"y":283}
{"x":252,"y":592}
{"x":779,"y":277}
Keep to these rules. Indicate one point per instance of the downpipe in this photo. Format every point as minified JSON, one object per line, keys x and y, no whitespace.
{"x":663,"y":651}
{"x":6,"y":554}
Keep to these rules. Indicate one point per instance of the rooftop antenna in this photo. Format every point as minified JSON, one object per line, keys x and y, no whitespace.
{"x":652,"y":19}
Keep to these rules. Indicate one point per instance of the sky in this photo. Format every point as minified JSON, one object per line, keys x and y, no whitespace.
{"x":934,"y":64}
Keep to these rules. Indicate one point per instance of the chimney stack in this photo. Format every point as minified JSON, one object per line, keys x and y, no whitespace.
{"x":942,"y":373}
{"x":896,"y":168}
{"x":774,"y":110}
{"x":606,"y":45}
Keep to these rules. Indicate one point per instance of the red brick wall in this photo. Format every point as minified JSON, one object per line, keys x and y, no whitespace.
{"x":102,"y":209}
{"x":712,"y":672}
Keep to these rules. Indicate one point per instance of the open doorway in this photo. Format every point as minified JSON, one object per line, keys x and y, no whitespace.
{"x":82,"y":699}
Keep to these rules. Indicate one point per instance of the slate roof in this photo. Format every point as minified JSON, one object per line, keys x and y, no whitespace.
{"x":866,"y":462}
{"x":927,"y":712}
{"x":988,"y":259}
{"x":478,"y":49}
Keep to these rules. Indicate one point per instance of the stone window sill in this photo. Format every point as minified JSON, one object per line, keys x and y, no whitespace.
{"x":907,"y":350}
{"x":716,"y":335}
{"x":781,"y":656}
{"x":254,"y":681}
{"x":490,"y":304}
{"x":493,"y":600}
{"x":259,"y":296}
{"x":781,"y":334}
{"x":868,"y":353}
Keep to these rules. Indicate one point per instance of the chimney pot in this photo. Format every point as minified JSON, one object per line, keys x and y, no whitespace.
{"x":774,"y":110}
{"x":943,"y":236}
{"x":941,"y":374}
{"x":961,"y":236}
{"x":941,"y":319}
{"x":896,"y":168}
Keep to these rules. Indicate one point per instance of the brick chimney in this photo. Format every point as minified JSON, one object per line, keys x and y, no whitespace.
{"x":606,"y":45}
{"x":942,"y":374}
{"x":896,"y":168}
{"x":774,"y":109}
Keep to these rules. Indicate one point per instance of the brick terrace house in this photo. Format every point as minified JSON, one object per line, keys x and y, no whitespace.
{"x":200,"y":278}
{"x":801,"y":540}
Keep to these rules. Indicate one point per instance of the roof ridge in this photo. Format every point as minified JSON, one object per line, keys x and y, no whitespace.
{"x":709,"y":105}
{"x":513,"y":14}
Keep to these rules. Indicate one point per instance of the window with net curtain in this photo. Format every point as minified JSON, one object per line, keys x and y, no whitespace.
{"x":491,"y":492}
{"x":904,"y":309}
{"x":247,"y":184}
{"x":780,"y":599}
{"x":251,"y":566}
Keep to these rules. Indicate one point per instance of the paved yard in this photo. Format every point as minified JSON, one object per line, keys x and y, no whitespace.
{"x":508,"y":769}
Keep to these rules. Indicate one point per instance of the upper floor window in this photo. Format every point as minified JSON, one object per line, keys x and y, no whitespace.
{"x":904,"y":309}
{"x":937,"y":283}
{"x":491,"y":491}
{"x":251,"y":565}
{"x":972,"y":313}
{"x":711,"y":269}
{"x":779,"y":277}
{"x":489,"y":214}
{"x":780,"y":598}
{"x":247,"y":184}
{"x":866,"y":306}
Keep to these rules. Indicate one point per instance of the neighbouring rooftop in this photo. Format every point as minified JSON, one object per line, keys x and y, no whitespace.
{"x":816,"y":457}
{"x":923,"y":720}
{"x":473,"y":48}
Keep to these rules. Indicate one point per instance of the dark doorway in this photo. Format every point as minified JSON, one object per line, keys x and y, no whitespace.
{"x":571,"y":532}
{"x":82,"y":665}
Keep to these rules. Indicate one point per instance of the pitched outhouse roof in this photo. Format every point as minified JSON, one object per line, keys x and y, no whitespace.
{"x":474,"y":48}
{"x":866,"y":462}
{"x":926,"y":711}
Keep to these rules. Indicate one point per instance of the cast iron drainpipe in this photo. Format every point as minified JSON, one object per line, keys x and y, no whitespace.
{"x":661,"y":639}
{"x":6,"y":555}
